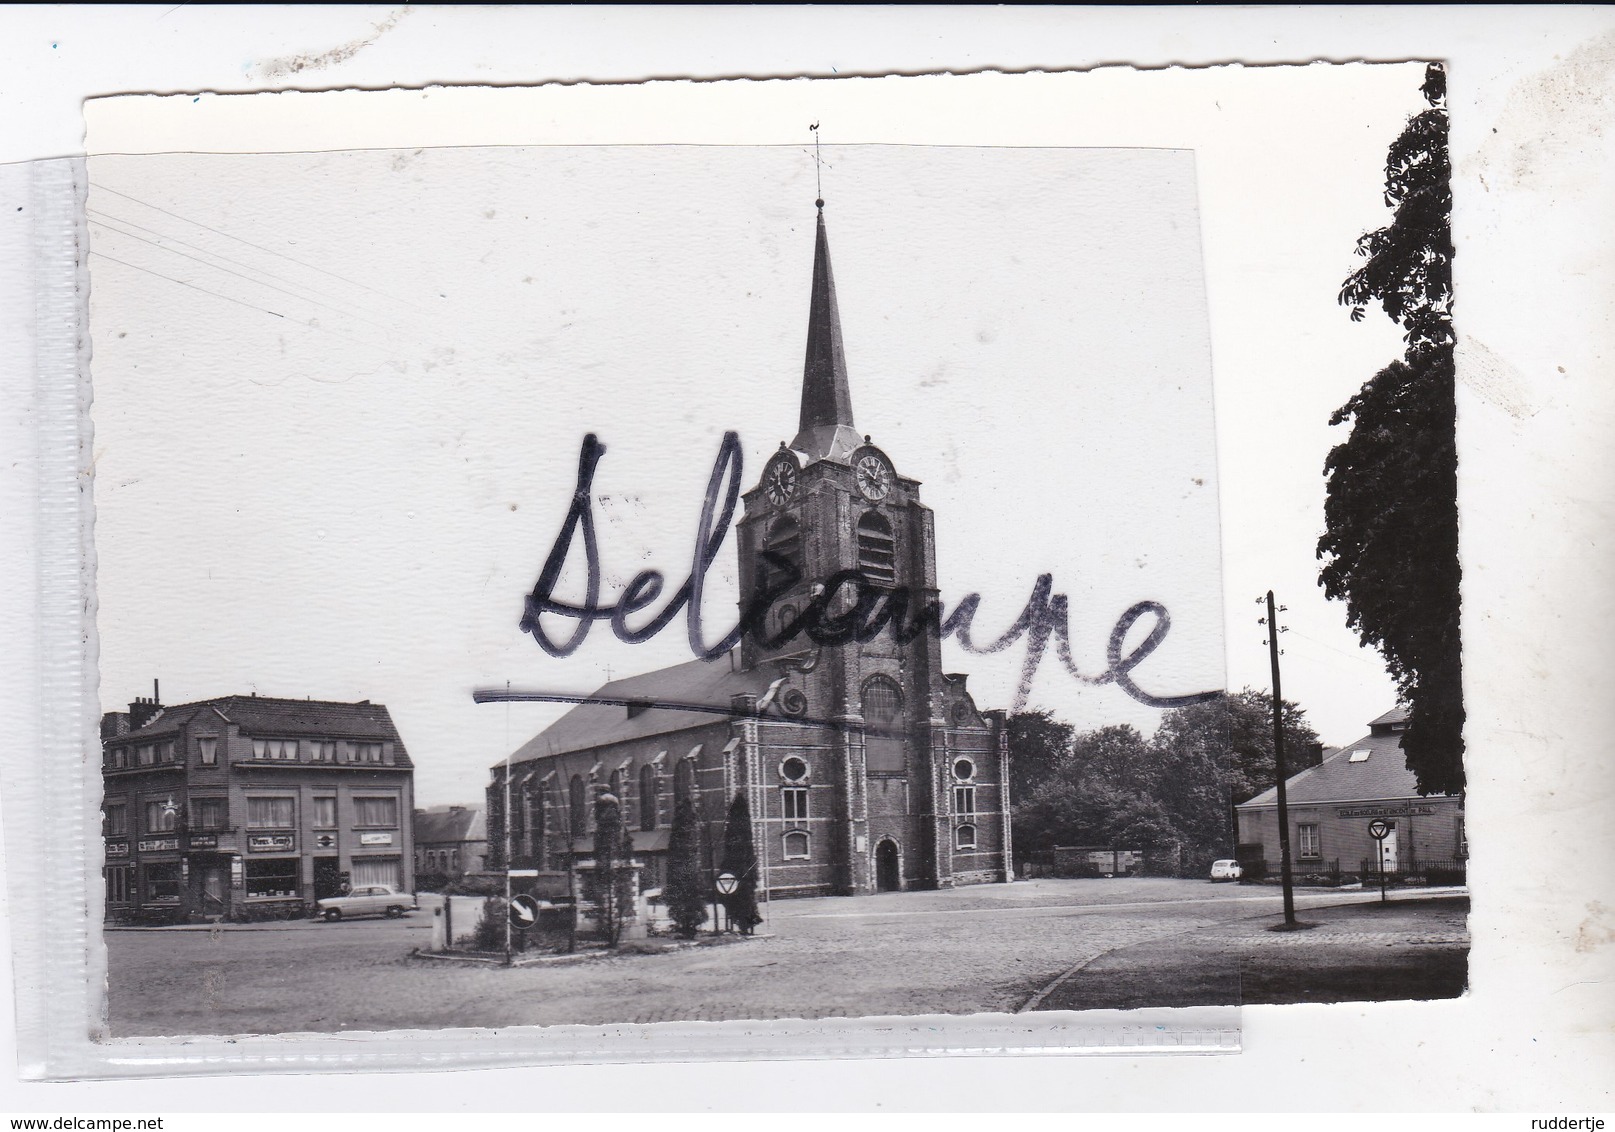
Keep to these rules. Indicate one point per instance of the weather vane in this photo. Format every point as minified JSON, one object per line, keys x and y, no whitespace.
{"x":818,"y":167}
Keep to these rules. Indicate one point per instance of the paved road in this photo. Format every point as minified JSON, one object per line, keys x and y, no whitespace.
{"x":986,"y":948}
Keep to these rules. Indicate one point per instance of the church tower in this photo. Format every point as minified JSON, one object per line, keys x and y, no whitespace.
{"x":864,"y":766}
{"x":829,"y":503}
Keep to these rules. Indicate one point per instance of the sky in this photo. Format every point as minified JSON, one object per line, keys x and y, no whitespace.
{"x":339,"y":395}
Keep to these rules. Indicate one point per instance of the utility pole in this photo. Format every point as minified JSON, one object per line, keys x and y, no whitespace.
{"x":507,"y":826}
{"x":1273,"y":631}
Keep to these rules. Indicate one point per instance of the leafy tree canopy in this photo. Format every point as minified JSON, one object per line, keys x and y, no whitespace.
{"x":1169,"y":795}
{"x":1390,"y":547}
{"x":1039,"y":745}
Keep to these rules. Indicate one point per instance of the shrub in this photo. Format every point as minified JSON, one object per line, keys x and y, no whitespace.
{"x":489,"y":934}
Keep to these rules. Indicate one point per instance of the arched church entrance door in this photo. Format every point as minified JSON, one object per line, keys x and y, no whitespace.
{"x":888,"y":869}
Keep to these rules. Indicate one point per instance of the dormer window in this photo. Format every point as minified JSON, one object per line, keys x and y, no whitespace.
{"x":364,"y":752}
{"x":284,"y":749}
{"x":637,"y":707}
{"x":1360,"y":755}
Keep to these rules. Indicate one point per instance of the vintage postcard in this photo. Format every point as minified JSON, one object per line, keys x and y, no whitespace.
{"x":554,"y":580}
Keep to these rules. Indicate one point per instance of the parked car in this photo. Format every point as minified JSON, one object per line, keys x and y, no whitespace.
{"x":1226,"y":870}
{"x":367,"y":900}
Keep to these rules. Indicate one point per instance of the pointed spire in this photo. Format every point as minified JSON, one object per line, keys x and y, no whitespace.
{"x":826,"y":424}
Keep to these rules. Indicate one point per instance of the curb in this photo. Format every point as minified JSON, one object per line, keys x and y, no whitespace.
{"x":574,"y":958}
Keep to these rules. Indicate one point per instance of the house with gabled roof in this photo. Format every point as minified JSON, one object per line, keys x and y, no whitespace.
{"x":251,"y":807}
{"x":451,"y":843}
{"x":1332,"y":805}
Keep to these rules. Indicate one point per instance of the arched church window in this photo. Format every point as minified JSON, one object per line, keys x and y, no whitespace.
{"x":964,"y":837}
{"x":784,"y":545}
{"x":577,"y":810}
{"x":796,"y":845}
{"x":540,"y":825}
{"x":884,"y":725}
{"x":617,"y":784}
{"x":518,"y":811}
{"x":684,"y":780}
{"x":647,"y":797}
{"x":877,"y":550}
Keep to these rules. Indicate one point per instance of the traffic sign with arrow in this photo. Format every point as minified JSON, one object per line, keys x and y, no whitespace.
{"x":523,"y":911}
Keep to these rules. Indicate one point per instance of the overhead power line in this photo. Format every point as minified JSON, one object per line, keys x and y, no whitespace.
{"x":239,"y":275}
{"x":165,"y":238}
{"x":240,"y":240}
{"x":238,"y":302}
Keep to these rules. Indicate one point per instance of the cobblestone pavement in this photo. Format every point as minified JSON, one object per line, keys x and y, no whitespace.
{"x":986,"y":948}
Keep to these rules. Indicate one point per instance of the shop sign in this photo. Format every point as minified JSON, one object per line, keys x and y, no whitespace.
{"x":157,"y":844}
{"x":375,"y":839}
{"x":237,"y":872}
{"x":1407,"y":809}
{"x":204,"y":841}
{"x":325,"y":841}
{"x":270,"y":843}
{"x":117,"y":848}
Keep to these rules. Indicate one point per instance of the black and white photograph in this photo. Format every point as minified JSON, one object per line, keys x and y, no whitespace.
{"x":706,"y":583}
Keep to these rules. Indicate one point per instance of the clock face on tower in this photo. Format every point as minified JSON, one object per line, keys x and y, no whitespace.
{"x":780,"y":480}
{"x":874,"y":480}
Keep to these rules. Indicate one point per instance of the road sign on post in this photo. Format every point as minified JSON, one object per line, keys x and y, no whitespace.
{"x":727,"y":884}
{"x":523,"y":911}
{"x":1379,"y":830}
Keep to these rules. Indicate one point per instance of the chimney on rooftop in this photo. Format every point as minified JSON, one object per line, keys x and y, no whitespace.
{"x":142,"y":710}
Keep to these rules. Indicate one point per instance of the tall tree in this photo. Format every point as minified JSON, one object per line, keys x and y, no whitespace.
{"x":1235,"y":733}
{"x":1216,"y":754}
{"x":740,"y":861}
{"x":685,"y":895}
{"x":609,"y":865}
{"x":1039,"y":745}
{"x":1100,"y":792}
{"x":1390,"y":546}
{"x":1171,"y":795}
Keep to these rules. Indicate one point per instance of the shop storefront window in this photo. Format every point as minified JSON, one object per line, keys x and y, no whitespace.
{"x":160,"y":881}
{"x":273,"y":878}
{"x":384,"y":870}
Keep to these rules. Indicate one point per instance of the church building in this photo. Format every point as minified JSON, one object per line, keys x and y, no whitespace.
{"x":866,"y":766}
